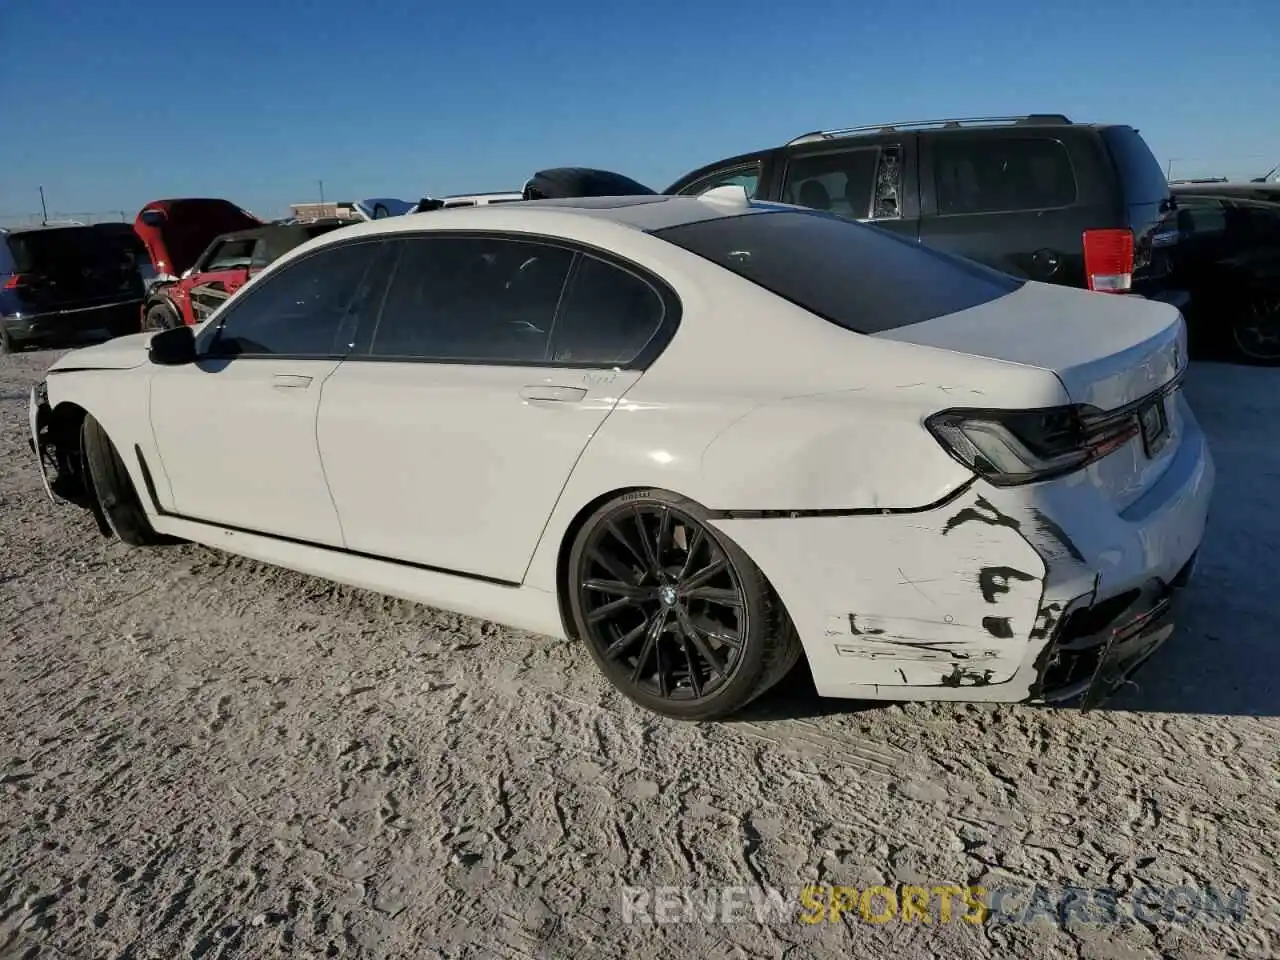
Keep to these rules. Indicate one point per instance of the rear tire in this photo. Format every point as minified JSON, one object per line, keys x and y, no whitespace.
{"x":114,"y":490}
{"x":674,"y":613}
{"x":7,"y":343}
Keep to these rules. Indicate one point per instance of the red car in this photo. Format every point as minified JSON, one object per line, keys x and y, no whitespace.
{"x":224,"y":266}
{"x":176,"y":232}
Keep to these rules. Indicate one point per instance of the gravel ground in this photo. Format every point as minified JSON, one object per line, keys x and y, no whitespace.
{"x":203,"y":756}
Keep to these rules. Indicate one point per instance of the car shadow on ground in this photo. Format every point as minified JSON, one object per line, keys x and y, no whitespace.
{"x":1224,"y":658}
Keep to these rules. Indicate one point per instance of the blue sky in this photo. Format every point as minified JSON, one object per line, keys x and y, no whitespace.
{"x":112,"y":104}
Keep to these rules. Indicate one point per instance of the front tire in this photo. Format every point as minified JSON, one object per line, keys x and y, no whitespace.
{"x":114,"y":490}
{"x":673,"y":612}
{"x":160,"y":316}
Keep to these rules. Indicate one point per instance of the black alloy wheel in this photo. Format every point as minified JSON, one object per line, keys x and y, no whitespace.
{"x":673,"y":612}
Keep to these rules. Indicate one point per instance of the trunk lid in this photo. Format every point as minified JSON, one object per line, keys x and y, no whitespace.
{"x":1119,"y":354}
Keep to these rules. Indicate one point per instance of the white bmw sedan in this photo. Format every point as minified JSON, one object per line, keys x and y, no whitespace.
{"x":700,"y":437}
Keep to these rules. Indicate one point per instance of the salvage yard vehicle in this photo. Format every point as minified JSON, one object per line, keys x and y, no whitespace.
{"x":1036,"y":196}
{"x":225,"y":266}
{"x":428,"y":204}
{"x":57,"y":282}
{"x":177,"y":231}
{"x":556,"y":183}
{"x":1227,"y":255}
{"x":699,"y":436}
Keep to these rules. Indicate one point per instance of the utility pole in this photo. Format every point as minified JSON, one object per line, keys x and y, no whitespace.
{"x":44,"y":211}
{"x":321,"y":182}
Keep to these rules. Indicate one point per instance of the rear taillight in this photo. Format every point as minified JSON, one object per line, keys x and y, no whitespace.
{"x":1108,"y":260}
{"x":1011,"y":447}
{"x":16,"y":280}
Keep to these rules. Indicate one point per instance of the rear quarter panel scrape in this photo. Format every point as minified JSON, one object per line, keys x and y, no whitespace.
{"x":964,"y":595}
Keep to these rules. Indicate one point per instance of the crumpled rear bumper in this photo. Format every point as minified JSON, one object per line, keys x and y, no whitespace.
{"x":1099,"y":646}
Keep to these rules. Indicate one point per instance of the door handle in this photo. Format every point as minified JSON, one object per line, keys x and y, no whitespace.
{"x":542,"y":391}
{"x":290,"y":381}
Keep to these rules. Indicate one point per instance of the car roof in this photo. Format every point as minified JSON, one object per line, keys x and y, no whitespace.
{"x":645,"y":213}
{"x":43,"y":227}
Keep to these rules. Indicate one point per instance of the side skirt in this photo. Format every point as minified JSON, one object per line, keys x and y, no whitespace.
{"x":521,"y":607}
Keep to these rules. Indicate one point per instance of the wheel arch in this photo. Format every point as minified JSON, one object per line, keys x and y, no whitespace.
{"x":159,"y":298}
{"x":565,"y":547}
{"x":71,"y":481}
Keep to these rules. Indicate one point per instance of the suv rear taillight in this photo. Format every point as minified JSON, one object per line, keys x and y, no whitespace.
{"x":16,"y":280}
{"x":1108,"y":260}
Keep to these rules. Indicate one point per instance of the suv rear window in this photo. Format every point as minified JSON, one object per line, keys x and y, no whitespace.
{"x":861,"y":277}
{"x":1001,"y":174}
{"x":1140,"y":175}
{"x":62,"y":249}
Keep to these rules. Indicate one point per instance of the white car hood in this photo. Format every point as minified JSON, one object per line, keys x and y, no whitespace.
{"x":119,"y":353}
{"x":1107,"y":349}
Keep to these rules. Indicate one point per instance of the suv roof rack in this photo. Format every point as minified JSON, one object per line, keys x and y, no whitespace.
{"x":1030,"y":118}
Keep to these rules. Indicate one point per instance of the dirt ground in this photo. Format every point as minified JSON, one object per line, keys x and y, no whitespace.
{"x":203,"y":756}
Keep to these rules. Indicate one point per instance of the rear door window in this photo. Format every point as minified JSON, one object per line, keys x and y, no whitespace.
{"x":861,"y":277}
{"x":472,"y":299}
{"x":609,"y":315}
{"x":1001,"y":174}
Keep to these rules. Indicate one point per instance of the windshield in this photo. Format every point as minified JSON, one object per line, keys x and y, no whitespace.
{"x":861,"y":277}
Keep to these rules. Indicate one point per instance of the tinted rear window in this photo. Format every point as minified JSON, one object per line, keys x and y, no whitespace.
{"x":861,"y":277}
{"x":1140,"y":175}
{"x":63,"y":249}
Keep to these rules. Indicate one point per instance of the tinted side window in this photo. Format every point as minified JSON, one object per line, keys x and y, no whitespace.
{"x":1000,"y":175}
{"x":609,"y":315}
{"x":841,"y":183}
{"x":472,"y":299}
{"x":1264,"y":222}
{"x":746,"y":176}
{"x":306,"y":309}
{"x":1199,"y":218}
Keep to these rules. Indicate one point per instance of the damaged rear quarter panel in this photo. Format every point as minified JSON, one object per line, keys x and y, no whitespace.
{"x":950,"y":597}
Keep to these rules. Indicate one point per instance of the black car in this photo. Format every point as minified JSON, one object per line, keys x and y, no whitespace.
{"x":1036,"y":196}
{"x":1227,"y":255}
{"x":59,"y":282}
